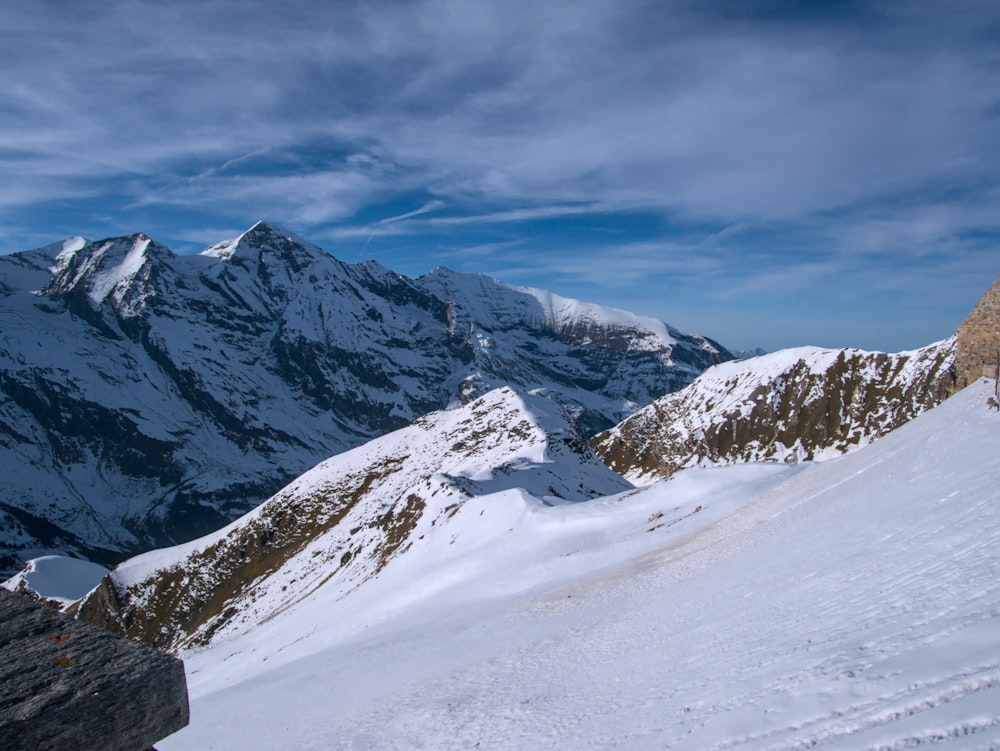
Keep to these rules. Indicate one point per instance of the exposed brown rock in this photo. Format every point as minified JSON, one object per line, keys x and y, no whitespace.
{"x":796,"y":414}
{"x":177,"y":602}
{"x":979,"y":338}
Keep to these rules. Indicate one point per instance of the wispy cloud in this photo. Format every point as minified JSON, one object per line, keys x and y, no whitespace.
{"x":425,"y":209}
{"x":522,"y":215}
{"x":708,"y":115}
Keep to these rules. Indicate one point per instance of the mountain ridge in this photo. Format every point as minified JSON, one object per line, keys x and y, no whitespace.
{"x":797,"y":404}
{"x":339,"y":524}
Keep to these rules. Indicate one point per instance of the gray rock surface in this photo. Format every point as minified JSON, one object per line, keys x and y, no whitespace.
{"x":70,"y":685}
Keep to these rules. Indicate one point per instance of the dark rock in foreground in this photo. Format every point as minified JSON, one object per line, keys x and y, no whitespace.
{"x":69,"y":685}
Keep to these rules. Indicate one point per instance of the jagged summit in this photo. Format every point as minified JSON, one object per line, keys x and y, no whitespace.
{"x":63,"y":248}
{"x":119,"y":269}
{"x":268,"y":241}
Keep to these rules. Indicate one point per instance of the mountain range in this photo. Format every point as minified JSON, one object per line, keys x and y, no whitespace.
{"x":148,"y":398}
{"x":492,"y":503}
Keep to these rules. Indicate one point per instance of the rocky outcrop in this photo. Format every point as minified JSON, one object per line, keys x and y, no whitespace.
{"x":69,"y":685}
{"x":792,"y":405}
{"x":979,"y":338}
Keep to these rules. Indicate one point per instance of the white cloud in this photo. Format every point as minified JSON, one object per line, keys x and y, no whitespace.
{"x":425,"y":209}
{"x":553,"y":103}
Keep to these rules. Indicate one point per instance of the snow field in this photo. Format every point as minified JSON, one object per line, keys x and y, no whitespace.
{"x":849,"y":604}
{"x":57,"y":577}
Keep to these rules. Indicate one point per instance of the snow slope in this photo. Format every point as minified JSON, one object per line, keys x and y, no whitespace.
{"x":341,"y":525}
{"x":851,"y":604}
{"x":57,"y":578}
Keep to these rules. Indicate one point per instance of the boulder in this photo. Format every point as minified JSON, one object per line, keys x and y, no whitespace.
{"x":69,"y":685}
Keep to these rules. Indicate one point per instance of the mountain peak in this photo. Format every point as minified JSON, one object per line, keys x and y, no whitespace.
{"x":105,"y":268}
{"x":262,"y":229}
{"x":266,"y":240}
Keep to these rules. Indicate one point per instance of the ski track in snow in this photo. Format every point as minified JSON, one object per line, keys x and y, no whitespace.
{"x":853,"y":604}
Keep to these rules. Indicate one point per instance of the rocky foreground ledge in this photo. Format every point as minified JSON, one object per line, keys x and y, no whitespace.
{"x":69,"y":685}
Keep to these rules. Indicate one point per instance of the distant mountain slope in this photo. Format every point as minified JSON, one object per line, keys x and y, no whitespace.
{"x":792,"y":405}
{"x":147,"y":398}
{"x":602,"y":358}
{"x":338,"y":525}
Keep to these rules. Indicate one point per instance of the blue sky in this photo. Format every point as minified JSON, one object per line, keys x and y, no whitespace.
{"x":766,"y":173}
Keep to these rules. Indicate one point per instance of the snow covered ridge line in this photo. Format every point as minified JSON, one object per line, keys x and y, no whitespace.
{"x":792,"y":405}
{"x":148,"y":398}
{"x":340,"y":524}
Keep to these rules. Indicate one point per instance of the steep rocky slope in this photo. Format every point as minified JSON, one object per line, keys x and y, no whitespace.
{"x":344,"y":521}
{"x":792,"y":405}
{"x":147,"y":398}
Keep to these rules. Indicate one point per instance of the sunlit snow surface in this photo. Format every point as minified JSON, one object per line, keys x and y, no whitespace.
{"x":850,"y":604}
{"x":57,"y":577}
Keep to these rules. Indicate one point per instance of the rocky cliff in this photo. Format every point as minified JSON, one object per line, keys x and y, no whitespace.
{"x":979,"y":338}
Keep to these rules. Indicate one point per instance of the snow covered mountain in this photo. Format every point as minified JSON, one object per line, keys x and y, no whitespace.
{"x":852,"y":603}
{"x":792,"y":405}
{"x":147,"y":398}
{"x":340,"y":524}
{"x":578,"y":347}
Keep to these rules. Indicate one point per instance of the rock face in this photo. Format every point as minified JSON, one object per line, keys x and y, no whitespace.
{"x":792,"y":405}
{"x":68,"y":685}
{"x":979,"y":338}
{"x":148,"y":398}
{"x":343,"y":522}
